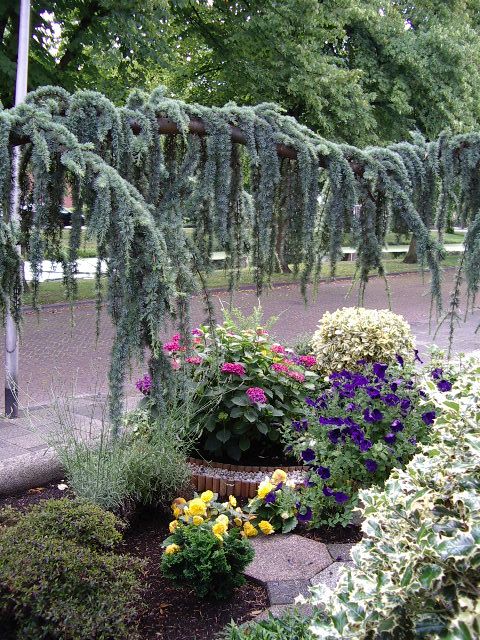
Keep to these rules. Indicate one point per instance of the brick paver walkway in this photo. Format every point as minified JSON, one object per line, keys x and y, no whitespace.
{"x":56,"y":357}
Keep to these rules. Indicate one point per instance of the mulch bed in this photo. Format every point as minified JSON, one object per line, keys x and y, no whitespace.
{"x":171,"y":613}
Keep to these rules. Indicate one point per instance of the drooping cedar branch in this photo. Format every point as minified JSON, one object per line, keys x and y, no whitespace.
{"x":249,"y":179}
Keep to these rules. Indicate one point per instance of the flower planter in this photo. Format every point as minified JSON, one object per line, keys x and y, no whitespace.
{"x":233,"y":479}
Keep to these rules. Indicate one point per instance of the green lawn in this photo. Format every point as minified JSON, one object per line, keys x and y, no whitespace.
{"x":51,"y":292}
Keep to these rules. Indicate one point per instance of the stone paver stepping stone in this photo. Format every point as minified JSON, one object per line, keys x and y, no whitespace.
{"x":285,"y":591}
{"x":330,"y":576}
{"x":287,"y":557}
{"x":340,"y":552}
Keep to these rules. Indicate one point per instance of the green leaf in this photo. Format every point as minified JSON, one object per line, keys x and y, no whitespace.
{"x":262,"y":427}
{"x":461,"y":545}
{"x":244,"y":443}
{"x":428,"y":574}
{"x":250,"y":414}
{"x":234,"y":451}
{"x":241,"y":400}
{"x":289,"y":524}
{"x":223,"y":435}
{"x":237,"y":411}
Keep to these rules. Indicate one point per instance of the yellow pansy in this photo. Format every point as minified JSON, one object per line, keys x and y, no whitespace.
{"x":264,"y":488}
{"x":173,"y":525}
{"x":249,"y":530}
{"x":219,"y":528}
{"x":265,"y":527}
{"x":197,"y":520}
{"x":197,"y":507}
{"x":279,"y":476}
{"x":207,"y":496}
{"x":172,"y":548}
{"x":232,"y":500}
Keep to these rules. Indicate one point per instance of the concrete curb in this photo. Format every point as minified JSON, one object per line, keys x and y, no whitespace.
{"x":21,"y":473}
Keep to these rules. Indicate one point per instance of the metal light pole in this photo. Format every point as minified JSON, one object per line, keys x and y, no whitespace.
{"x":11,"y":334}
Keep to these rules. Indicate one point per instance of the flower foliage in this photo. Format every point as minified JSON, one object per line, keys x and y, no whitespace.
{"x":362,"y":426}
{"x":248,"y":388}
{"x":351,"y":334}
{"x":207,"y":549}
{"x":416,"y":572}
{"x":275,"y":504}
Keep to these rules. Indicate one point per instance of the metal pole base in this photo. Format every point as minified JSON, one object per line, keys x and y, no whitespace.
{"x":11,"y":403}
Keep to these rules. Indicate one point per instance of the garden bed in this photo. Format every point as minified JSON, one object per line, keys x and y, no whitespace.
{"x":170,"y":612}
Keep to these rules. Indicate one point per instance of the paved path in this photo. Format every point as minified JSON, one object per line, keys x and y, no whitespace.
{"x":58,"y":357}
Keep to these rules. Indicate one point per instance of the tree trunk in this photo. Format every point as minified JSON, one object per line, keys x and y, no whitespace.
{"x":411,"y":255}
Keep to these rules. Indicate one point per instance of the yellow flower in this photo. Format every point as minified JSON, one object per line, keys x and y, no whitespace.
{"x":217,"y":535}
{"x":279,"y":476}
{"x":172,"y":548}
{"x":224,"y":519}
{"x":207,"y":496}
{"x":232,"y":500}
{"x":177,"y":506}
{"x":249,"y":530}
{"x":173,"y":525}
{"x":197,"y":507}
{"x":219,"y":528}
{"x":197,"y":520}
{"x":264,"y":488}
{"x":265,"y":527}
{"x":238,"y":522}
{"x":176,"y":512}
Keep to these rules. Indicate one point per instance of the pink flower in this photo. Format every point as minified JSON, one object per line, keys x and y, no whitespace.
{"x":144,"y":385}
{"x":197,"y":332}
{"x":194,"y":360}
{"x":235,"y":368}
{"x":296,"y":375}
{"x":175,"y":365}
{"x":257,"y":395}
{"x":280,"y":368}
{"x":277,"y":348}
{"x":308,"y":361}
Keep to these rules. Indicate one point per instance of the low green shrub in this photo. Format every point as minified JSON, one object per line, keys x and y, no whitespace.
{"x":417,"y":571}
{"x":207,"y":557}
{"x":291,"y":626}
{"x":353,"y":333}
{"x":60,"y":580}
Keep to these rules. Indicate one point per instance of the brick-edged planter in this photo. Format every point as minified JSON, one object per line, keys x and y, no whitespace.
{"x":225,"y":486}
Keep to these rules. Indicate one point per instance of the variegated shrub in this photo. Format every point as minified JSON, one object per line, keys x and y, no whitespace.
{"x":353,"y":333}
{"x":417,"y":572}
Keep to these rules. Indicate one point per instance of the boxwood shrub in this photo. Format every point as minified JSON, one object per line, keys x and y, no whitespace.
{"x":60,"y":579}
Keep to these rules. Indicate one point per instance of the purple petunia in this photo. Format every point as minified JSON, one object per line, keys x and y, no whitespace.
{"x":437,"y":373}
{"x":372,"y":392}
{"x":365,"y":445}
{"x":305,"y":517}
{"x":405,"y":405}
{"x":327,"y":492}
{"x":391,"y":399}
{"x":270,"y":498}
{"x":372,"y":416}
{"x":308,"y":455}
{"x":379,"y":369}
{"x":340,"y":497}
{"x":390,"y":438}
{"x":413,"y":441}
{"x":444,"y":386}
{"x":323,"y":472}
{"x":399,"y":359}
{"x":428,"y":417}
{"x":370,"y":465}
{"x":397,"y":426}
{"x":300,"y":425}
{"x":334,"y":435}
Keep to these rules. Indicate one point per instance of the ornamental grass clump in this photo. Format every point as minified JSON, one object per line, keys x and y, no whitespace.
{"x":60,"y":578}
{"x":353,"y":334}
{"x":416,"y":573}
{"x":248,"y":387}
{"x":362,"y":426}
{"x":208,"y":549}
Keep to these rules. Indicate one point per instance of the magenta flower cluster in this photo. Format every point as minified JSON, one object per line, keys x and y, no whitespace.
{"x":296,"y":375}
{"x":235,"y":368}
{"x":194,"y":360}
{"x":256,"y":395}
{"x":308,"y":361}
{"x":280,"y":368}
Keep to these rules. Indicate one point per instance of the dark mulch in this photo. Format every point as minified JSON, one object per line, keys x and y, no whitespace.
{"x":171,"y":613}
{"x":332,"y":535}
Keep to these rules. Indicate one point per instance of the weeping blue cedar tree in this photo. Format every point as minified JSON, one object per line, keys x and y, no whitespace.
{"x":136,"y":187}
